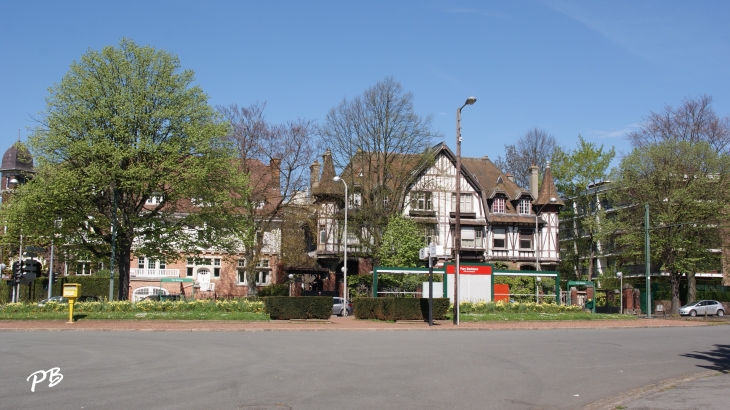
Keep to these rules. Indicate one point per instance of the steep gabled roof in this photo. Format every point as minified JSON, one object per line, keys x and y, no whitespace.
{"x":547,"y":189}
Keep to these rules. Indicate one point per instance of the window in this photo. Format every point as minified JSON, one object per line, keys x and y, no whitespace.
{"x":154,"y":200}
{"x":262,"y":278}
{"x":356,"y":200}
{"x":525,"y":238}
{"x":422,"y":201}
{"x":191,"y":265}
{"x":262,"y":263}
{"x":498,"y":206}
{"x":163,"y":264}
{"x":242,"y":263}
{"x":430,"y":234}
{"x":140,"y":264}
{"x":479,"y":237}
{"x":242,"y":277}
{"x":467,"y":237}
{"x":466,"y":202}
{"x":322,"y":234}
{"x":216,"y":268}
{"x":524,"y":206}
{"x":499,"y":237}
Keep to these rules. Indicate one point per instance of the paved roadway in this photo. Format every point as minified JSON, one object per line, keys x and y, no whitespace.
{"x":514,"y":369}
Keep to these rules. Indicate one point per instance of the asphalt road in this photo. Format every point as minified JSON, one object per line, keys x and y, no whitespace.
{"x":531,"y":369}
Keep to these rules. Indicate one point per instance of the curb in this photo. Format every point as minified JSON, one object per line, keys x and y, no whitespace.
{"x":631,"y":395}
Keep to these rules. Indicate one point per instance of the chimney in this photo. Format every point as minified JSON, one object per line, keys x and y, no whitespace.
{"x":533,"y":171}
{"x":275,"y":168}
{"x":314,"y":175}
{"x":510,"y":177}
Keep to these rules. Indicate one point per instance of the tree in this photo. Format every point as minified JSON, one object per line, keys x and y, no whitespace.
{"x":127,"y":141}
{"x":693,"y":121}
{"x":577,"y":176}
{"x":534,"y":148}
{"x":686,"y":187}
{"x":402,"y":241}
{"x":377,"y":140}
{"x":288,"y":149}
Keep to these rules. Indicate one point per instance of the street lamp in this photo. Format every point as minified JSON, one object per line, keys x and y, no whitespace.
{"x":457,"y":227}
{"x":537,"y":286}
{"x":537,"y":235}
{"x":344,"y":265}
{"x":291,"y":277}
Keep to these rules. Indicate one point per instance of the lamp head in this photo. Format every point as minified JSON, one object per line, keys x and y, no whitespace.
{"x":552,"y":200}
{"x":471,"y":100}
{"x":337,"y":178}
{"x":539,"y":279}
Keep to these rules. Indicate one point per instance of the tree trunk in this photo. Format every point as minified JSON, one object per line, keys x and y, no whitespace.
{"x":675,"y":292}
{"x":691,"y":287}
{"x":123,"y":262}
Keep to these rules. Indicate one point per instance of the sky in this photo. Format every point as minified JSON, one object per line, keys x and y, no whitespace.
{"x":570,"y":68}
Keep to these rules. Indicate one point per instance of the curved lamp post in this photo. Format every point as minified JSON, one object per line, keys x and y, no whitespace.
{"x":344,"y":265}
{"x":457,"y":227}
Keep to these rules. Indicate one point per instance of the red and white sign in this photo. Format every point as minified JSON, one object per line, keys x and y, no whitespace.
{"x":470,"y":269}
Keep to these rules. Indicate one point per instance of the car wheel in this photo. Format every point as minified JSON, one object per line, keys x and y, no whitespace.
{"x":720,"y":312}
{"x":692,"y":313}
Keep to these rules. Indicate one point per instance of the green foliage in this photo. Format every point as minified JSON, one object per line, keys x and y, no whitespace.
{"x":276,"y":289}
{"x":686,"y":187}
{"x":35,"y":291}
{"x":577,"y":176}
{"x":491,"y":307}
{"x":399,"y":308}
{"x":204,"y":305}
{"x":401,"y":243}
{"x":309,"y":307}
{"x":125,"y":125}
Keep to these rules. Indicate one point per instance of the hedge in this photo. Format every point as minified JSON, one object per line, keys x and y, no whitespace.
{"x":36,"y":291}
{"x":277,"y":289}
{"x":208,"y":305}
{"x":300,"y":307}
{"x":399,"y":308}
{"x":500,"y":306}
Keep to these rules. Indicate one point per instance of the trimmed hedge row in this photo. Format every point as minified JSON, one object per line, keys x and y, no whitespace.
{"x":35,"y":291}
{"x":300,"y":307}
{"x":399,"y":308}
{"x":209,"y":305}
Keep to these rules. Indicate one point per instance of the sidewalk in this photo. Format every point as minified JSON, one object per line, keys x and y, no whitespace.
{"x":333,"y":324}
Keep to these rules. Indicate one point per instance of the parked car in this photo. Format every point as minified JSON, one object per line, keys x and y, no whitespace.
{"x":337,"y":308}
{"x":702,"y":307}
{"x":54,"y":299}
{"x":88,"y":299}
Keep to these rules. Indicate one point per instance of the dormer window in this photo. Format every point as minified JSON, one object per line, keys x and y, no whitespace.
{"x":422,"y":201}
{"x":524,"y":207}
{"x":498,"y":205}
{"x":356,"y":200}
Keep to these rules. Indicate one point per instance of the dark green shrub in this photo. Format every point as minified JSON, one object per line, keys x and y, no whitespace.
{"x":277,"y":289}
{"x":36,"y":290}
{"x":399,"y":308}
{"x":301,"y":307}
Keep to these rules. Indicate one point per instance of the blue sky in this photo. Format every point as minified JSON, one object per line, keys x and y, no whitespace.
{"x":569,"y":67}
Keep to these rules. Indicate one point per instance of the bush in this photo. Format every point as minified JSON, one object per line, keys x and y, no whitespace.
{"x":399,"y":308}
{"x":500,"y":306}
{"x":301,"y":307}
{"x":277,"y":289}
{"x":233,"y":305}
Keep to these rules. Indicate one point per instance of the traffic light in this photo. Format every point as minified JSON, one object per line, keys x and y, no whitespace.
{"x":30,"y":270}
{"x":17,"y":271}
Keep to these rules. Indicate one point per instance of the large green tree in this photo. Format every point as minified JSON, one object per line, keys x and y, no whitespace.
{"x":127,"y":140}
{"x":686,"y":186}
{"x":578,"y":175}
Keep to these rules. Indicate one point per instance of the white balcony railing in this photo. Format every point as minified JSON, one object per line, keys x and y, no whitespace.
{"x":154,"y":273}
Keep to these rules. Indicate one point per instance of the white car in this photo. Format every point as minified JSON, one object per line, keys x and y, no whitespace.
{"x":338,"y":310}
{"x":702,"y":307}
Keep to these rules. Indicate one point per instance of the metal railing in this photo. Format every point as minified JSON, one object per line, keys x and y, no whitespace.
{"x":154,"y":273}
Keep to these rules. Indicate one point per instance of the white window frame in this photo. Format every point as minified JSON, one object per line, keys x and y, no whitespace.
{"x":524,"y":207}
{"x":499,"y":234}
{"x":423,"y":201}
{"x":498,"y":205}
{"x":467,"y":202}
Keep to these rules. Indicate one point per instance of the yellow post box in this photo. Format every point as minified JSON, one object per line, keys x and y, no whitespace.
{"x":71,"y":291}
